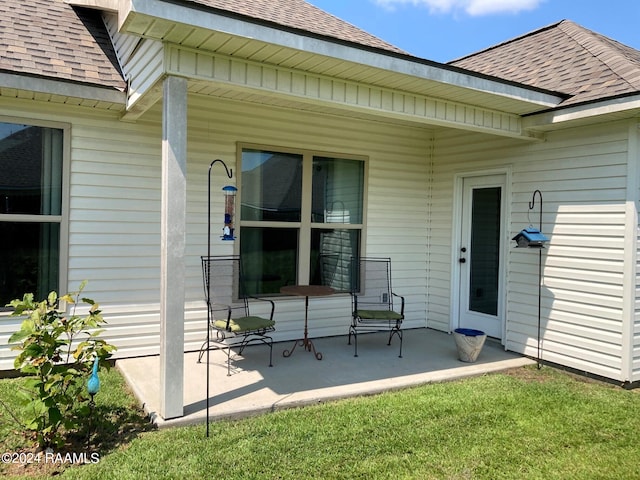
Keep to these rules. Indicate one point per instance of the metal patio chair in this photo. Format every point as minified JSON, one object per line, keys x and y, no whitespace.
{"x":232,"y":323}
{"x":372,"y":300}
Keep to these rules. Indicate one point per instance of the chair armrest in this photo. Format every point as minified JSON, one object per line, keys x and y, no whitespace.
{"x":273,"y":305}
{"x":401,"y":303}
{"x":223,"y":307}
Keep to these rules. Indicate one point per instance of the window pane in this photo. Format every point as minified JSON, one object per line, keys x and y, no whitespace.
{"x":271,"y":186}
{"x":269,"y":258}
{"x":29,"y":259}
{"x":331,"y":252}
{"x":338,"y":186}
{"x":30,"y":170}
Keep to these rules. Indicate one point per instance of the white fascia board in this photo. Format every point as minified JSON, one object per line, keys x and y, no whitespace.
{"x":65,"y":89}
{"x":377,"y":59}
{"x":580,"y":112}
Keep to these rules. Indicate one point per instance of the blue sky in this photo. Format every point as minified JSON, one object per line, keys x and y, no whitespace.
{"x":443,"y":30}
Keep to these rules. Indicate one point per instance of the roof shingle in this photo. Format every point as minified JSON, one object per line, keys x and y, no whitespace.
{"x":49,"y":38}
{"x":565,"y":58}
{"x":299,"y":15}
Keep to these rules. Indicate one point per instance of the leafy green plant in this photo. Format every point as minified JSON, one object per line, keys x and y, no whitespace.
{"x":57,"y":362}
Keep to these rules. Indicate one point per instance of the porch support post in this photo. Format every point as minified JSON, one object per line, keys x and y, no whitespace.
{"x":172,"y":246}
{"x":631,"y":246}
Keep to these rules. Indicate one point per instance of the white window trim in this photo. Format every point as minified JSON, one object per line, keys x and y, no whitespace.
{"x":63,"y":218}
{"x":305,"y":225}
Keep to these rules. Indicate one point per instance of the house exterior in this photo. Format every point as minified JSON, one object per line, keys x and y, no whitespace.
{"x":111,"y":112}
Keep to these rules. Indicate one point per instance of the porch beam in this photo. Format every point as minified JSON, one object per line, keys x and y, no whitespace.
{"x":322,"y":91}
{"x":172,"y":246}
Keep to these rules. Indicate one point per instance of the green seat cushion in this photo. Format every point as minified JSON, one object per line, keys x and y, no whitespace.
{"x":245,"y":324}
{"x":378,"y":315}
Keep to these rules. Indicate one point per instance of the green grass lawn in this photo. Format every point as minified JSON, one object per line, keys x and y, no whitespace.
{"x":523,"y":424}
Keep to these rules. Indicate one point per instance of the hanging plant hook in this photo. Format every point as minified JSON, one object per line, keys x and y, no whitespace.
{"x":532,"y":204}
{"x":228,"y":170}
{"x":230,"y":175}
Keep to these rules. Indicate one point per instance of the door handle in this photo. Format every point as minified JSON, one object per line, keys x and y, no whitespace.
{"x":463,"y":260}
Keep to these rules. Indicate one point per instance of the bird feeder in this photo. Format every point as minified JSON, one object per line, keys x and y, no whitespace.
{"x":530,"y":237}
{"x":229,"y":211}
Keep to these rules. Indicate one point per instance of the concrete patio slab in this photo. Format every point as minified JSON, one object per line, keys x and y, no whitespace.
{"x":253,"y":387}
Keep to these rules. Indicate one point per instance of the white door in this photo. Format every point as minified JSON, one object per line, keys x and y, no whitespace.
{"x":481,"y":254}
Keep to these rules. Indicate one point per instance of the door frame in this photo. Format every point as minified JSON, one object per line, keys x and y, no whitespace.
{"x":456,"y":237}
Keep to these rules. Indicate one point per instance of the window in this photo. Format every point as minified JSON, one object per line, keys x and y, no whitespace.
{"x":301,"y":218}
{"x":31,"y":172}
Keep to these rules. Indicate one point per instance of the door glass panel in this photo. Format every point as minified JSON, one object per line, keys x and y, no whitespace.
{"x":485,"y":250}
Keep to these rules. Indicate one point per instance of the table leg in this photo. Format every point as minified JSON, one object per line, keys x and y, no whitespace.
{"x":305,"y":342}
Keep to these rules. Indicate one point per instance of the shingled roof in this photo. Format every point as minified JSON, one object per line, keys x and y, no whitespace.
{"x":49,"y":38}
{"x":299,"y":15}
{"x":563,"y":57}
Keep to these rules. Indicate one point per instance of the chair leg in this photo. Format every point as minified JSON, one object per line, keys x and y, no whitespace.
{"x":352,"y":330}
{"x":203,"y":349}
{"x":396,"y":331}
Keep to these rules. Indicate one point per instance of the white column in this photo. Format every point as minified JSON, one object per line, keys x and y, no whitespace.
{"x":172,"y":261}
{"x":630,"y":269}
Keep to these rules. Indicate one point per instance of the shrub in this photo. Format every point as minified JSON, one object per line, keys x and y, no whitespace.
{"x":58,"y":365}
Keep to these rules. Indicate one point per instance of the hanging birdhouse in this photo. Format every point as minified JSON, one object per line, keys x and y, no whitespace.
{"x":530,"y":237}
{"x":229,"y":212}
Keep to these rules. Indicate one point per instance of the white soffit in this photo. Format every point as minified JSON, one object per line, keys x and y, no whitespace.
{"x":56,"y":91}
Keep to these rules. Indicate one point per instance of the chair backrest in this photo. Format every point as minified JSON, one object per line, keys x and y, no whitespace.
{"x":371,"y":283}
{"x":223,"y":281}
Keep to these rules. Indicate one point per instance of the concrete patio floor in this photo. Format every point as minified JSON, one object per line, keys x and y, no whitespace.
{"x":253,"y":387}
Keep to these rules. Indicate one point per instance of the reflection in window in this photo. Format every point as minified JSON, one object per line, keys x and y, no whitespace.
{"x":331,"y":252}
{"x":271,"y":186}
{"x":269,"y":259}
{"x":30,"y":186}
{"x":337,"y":190}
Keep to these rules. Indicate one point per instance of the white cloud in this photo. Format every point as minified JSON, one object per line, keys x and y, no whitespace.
{"x":471,"y":7}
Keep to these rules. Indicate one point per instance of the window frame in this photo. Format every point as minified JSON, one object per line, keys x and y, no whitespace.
{"x":63,"y":218}
{"x":305,"y":226}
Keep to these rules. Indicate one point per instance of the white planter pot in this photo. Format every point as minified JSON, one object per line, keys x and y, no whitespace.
{"x":469,"y":343}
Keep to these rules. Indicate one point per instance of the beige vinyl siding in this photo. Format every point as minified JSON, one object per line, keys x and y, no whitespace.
{"x":582,"y":175}
{"x":114,"y":218}
{"x":115,"y":211}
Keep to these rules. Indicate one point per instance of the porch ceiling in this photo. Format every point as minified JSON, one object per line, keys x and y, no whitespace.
{"x":210,"y":31}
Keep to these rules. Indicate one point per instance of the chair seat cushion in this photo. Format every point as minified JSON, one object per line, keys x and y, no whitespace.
{"x":245,"y":324}
{"x":378,"y":315}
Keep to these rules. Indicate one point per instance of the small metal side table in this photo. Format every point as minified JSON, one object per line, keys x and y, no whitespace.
{"x":306,"y":291}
